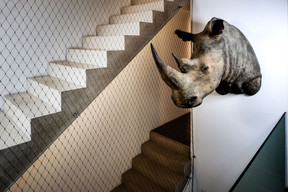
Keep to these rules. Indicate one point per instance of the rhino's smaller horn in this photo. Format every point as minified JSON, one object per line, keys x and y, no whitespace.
{"x":179,"y":62}
{"x":172,"y":77}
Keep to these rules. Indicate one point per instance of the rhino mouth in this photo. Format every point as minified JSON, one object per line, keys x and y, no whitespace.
{"x":187,"y":105}
{"x":192,"y":102}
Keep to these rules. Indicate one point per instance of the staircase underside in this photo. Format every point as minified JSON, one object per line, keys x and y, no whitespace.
{"x":46,"y":129}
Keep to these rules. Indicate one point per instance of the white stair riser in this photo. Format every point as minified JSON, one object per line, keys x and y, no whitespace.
{"x":130,"y":18}
{"x":15,"y":137}
{"x":70,"y":74}
{"x":10,"y":133}
{"x":111,"y":43}
{"x":137,"y":2}
{"x":45,"y":93}
{"x":119,"y":29}
{"x":156,"y":6}
{"x":90,"y":57}
{"x":29,"y":105}
{"x":20,"y":119}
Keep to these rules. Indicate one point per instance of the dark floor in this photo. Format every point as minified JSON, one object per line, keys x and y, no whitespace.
{"x":178,"y":129}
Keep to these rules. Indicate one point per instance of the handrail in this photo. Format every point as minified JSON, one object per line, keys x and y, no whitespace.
{"x":242,"y":182}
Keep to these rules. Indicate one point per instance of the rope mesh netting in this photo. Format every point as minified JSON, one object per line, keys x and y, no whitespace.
{"x":79,"y":88}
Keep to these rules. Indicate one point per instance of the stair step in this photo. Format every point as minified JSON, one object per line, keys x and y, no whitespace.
{"x":22,"y":107}
{"x":121,"y":188}
{"x":10,"y":133}
{"x":30,"y":105}
{"x":137,"y":2}
{"x":155,"y":6}
{"x":146,"y":17}
{"x":108,"y":43}
{"x":166,"y":157}
{"x":137,"y":182}
{"x":119,"y":29}
{"x":165,"y":177}
{"x":49,"y":89}
{"x":96,"y":58}
{"x":69,"y":71}
{"x":169,"y":143}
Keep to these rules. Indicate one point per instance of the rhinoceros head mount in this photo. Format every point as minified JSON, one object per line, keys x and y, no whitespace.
{"x":222,"y":60}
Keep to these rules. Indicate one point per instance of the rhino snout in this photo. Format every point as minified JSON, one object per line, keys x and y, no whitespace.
{"x":193,"y":101}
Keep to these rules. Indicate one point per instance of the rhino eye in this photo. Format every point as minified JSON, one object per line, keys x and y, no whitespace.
{"x":206,"y":68}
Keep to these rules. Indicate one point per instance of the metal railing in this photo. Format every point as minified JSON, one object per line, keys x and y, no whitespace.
{"x":266,"y":171}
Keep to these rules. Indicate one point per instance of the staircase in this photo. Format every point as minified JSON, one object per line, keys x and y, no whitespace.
{"x":32,"y":120}
{"x":163,"y":165}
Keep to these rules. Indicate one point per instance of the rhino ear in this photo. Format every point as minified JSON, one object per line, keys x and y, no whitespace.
{"x":217,"y":27}
{"x":184,"y":35}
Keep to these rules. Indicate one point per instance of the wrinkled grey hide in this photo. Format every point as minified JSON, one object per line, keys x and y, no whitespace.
{"x":222,"y":60}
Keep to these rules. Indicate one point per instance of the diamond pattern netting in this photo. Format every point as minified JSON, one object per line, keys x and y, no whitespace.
{"x":42,"y":97}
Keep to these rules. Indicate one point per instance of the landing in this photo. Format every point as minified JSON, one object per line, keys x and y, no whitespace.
{"x":178,"y":129}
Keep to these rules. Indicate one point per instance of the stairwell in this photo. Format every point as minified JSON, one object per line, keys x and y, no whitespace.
{"x":32,"y":120}
{"x":164,"y":163}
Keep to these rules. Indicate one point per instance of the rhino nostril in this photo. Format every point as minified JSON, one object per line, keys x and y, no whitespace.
{"x":193,"y":99}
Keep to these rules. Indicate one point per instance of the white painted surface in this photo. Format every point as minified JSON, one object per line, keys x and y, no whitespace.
{"x":119,"y":29}
{"x":108,"y":43}
{"x":229,"y":129}
{"x":146,"y":16}
{"x":21,"y":108}
{"x":10,"y":133}
{"x":74,"y":72}
{"x":137,"y":2}
{"x":156,"y":6}
{"x":49,"y":89}
{"x":88,"y":56}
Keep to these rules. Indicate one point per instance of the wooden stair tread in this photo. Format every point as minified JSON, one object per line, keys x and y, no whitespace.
{"x":121,"y":188}
{"x":170,"y":143}
{"x":139,"y":183}
{"x":175,"y":161}
{"x":160,"y":174}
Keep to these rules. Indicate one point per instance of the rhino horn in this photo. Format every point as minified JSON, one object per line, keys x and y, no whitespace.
{"x":179,"y":63}
{"x":171,"y":77}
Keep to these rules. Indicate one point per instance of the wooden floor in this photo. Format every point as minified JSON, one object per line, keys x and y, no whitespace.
{"x":178,"y":129}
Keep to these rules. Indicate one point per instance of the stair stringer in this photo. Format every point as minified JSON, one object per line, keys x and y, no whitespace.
{"x":46,"y":129}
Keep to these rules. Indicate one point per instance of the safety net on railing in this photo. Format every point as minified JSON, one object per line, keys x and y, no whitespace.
{"x":79,"y":89}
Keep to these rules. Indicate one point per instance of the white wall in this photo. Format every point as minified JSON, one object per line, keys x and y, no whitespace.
{"x":229,"y":129}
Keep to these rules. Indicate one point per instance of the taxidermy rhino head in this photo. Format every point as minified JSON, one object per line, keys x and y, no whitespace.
{"x":222,"y":60}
